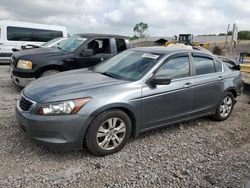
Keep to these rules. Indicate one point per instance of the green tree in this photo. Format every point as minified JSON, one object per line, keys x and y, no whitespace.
{"x":140,"y":29}
{"x":222,"y":34}
{"x":244,"y":35}
{"x":133,"y":37}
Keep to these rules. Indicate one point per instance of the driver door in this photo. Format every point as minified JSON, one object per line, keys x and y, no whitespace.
{"x":101,"y":51}
{"x":163,"y":104}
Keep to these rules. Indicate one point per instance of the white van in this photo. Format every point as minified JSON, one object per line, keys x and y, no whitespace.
{"x":15,"y":34}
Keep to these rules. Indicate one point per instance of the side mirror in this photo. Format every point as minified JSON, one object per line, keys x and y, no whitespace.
{"x":160,"y":80}
{"x":87,"y":53}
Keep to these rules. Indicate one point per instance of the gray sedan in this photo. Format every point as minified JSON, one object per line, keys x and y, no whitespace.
{"x":133,"y":92}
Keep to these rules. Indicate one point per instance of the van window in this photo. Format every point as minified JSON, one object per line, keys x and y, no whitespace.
{"x":120,"y":44}
{"x":29,"y":34}
{"x":203,"y":65}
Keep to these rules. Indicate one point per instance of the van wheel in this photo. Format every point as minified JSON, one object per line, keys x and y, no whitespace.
{"x":108,"y":133}
{"x":225,"y":108}
{"x":49,"y":72}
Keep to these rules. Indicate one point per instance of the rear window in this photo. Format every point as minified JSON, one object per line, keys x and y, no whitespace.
{"x":120,"y":44}
{"x":30,"y":34}
{"x":203,"y":65}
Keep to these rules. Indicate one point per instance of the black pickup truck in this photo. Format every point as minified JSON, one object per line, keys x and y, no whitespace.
{"x":79,"y":51}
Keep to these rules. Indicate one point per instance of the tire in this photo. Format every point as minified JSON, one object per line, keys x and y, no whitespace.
{"x":49,"y":72}
{"x":100,"y":138}
{"x":225,"y":107}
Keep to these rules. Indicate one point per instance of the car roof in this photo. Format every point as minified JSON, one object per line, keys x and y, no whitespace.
{"x":165,"y":50}
{"x":90,"y":35}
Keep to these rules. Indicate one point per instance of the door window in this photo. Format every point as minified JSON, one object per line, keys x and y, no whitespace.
{"x":175,"y":68}
{"x":218,"y":66}
{"x":120,"y":44}
{"x":100,"y":46}
{"x":203,"y":65}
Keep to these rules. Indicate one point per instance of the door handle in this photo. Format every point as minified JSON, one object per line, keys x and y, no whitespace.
{"x":186,"y":85}
{"x":220,"y":78}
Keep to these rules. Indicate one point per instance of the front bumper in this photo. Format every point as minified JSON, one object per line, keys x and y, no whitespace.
{"x":64,"y":132}
{"x":19,"y":80}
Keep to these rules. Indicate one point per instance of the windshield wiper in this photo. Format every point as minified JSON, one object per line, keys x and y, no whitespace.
{"x":109,"y":75}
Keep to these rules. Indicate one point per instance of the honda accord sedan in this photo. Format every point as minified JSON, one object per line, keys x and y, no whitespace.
{"x":135,"y":91}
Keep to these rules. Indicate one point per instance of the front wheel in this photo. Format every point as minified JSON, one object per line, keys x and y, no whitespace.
{"x":225,"y":108}
{"x":108,"y":133}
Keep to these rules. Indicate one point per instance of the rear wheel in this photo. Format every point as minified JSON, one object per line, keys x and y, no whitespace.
{"x":108,"y":133}
{"x":49,"y":72}
{"x":225,"y":108}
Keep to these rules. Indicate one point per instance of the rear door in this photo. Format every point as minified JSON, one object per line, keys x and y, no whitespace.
{"x":168,"y":103}
{"x":209,"y":85}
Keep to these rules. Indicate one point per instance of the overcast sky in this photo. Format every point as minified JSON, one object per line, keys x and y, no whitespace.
{"x":164,"y":17}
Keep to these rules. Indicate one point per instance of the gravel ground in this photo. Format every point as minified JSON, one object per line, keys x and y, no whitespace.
{"x":200,"y":153}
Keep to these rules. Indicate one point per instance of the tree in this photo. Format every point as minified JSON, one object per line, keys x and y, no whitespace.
{"x":133,"y":37}
{"x":140,"y":29}
{"x":222,"y":34}
{"x":244,"y":35}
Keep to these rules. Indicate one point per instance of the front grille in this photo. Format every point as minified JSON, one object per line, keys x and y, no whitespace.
{"x":25,"y":104}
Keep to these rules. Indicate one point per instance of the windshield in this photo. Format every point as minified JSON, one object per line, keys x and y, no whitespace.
{"x":72,"y":43}
{"x":128,"y":65}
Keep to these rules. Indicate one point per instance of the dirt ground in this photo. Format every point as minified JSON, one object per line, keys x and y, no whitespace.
{"x":200,"y":153}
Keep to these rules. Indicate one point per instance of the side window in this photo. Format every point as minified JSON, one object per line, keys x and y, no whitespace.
{"x":100,"y":46}
{"x":203,"y":65}
{"x":175,"y":68}
{"x":120,"y":44}
{"x":29,"y":34}
{"x":218,"y":66}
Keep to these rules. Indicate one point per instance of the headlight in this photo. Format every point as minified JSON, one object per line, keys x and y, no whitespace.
{"x":63,"y":107}
{"x":23,"y":64}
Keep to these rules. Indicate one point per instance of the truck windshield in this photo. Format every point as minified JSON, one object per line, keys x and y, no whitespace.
{"x":128,"y":65}
{"x":71,"y":44}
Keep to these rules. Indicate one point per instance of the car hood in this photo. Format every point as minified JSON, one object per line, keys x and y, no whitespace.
{"x":37,"y":53}
{"x":67,"y":85}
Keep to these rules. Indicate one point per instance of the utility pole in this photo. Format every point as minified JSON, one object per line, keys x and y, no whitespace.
{"x":228,"y":27}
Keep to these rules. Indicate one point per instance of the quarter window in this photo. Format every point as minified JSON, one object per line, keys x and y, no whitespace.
{"x":175,"y":68}
{"x":203,"y":65}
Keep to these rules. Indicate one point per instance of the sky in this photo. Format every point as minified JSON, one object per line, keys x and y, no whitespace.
{"x":164,"y":17}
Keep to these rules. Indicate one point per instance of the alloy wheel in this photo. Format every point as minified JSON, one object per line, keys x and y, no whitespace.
{"x":111,"y":133}
{"x":226,"y":106}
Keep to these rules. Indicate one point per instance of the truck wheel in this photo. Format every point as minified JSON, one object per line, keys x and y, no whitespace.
{"x":108,"y":133}
{"x":225,"y":108}
{"x":49,"y":72}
